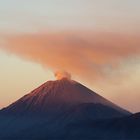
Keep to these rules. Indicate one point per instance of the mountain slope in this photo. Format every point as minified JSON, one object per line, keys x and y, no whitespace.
{"x":52,"y":107}
{"x":125,"y":128}
{"x":59,"y":95}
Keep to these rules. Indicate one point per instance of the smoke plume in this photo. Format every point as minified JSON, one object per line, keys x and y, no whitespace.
{"x":89,"y":55}
{"x":62,"y":74}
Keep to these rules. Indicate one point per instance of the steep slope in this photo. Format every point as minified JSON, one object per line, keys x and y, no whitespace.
{"x":58,"y":96}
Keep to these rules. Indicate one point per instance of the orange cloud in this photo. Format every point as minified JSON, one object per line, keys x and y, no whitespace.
{"x":80,"y":53}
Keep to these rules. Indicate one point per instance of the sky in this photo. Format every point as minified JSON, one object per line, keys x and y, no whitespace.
{"x":96,"y":41}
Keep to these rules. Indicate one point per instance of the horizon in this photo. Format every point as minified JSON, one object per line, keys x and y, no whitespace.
{"x":94,"y":42}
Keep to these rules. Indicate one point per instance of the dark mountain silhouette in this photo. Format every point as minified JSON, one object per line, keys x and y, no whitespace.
{"x":63,"y":109}
{"x":125,"y":128}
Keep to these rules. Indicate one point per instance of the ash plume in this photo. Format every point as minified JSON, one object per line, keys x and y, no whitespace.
{"x":62,"y":74}
{"x":89,"y":55}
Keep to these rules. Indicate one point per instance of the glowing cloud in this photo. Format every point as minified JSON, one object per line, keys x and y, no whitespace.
{"x":62,"y":74}
{"x":87,"y":54}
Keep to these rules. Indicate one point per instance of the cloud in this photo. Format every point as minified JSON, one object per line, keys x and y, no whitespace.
{"x":90,"y":55}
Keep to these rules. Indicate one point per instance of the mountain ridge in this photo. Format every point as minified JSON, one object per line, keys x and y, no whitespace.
{"x":59,"y":93}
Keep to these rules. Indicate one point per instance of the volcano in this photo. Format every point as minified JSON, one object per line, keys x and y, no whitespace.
{"x":63,"y":95}
{"x":52,"y":107}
